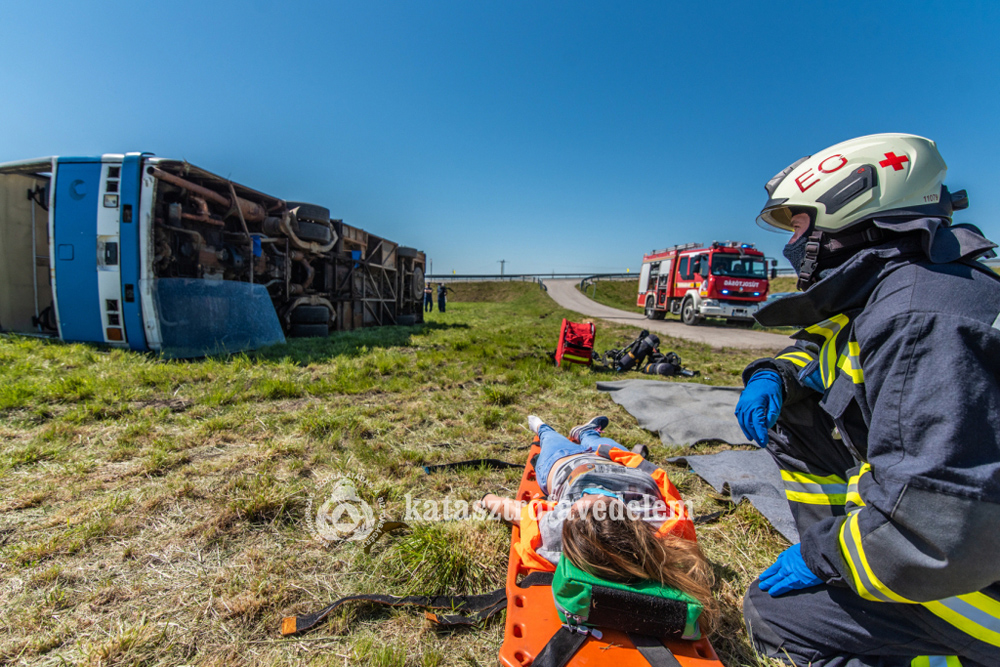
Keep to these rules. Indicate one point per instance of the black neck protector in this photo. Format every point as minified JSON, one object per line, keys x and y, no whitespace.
{"x":833,"y":251}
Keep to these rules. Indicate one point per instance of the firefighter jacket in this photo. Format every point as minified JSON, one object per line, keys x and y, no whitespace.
{"x":903,"y":341}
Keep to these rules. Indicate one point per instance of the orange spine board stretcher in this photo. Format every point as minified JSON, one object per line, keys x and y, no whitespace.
{"x":532,"y":619}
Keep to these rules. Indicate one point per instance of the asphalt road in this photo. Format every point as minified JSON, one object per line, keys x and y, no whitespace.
{"x":564,"y":293}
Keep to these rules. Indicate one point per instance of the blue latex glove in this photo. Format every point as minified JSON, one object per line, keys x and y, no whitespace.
{"x":789,"y":573}
{"x":759,"y":405}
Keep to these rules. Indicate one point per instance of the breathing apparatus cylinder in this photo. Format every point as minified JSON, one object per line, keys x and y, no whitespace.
{"x":638,"y":352}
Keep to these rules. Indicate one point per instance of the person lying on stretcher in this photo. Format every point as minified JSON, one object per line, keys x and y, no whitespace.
{"x":606,"y":515}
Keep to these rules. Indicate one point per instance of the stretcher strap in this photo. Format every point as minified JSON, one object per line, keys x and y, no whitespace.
{"x":561,"y":648}
{"x":496,"y":464}
{"x":653,"y":650}
{"x":567,"y":641}
{"x":471,"y":608}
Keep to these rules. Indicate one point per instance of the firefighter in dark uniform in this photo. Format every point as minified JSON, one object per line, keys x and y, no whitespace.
{"x":443,"y":296}
{"x":428,"y":298}
{"x":883,"y":416}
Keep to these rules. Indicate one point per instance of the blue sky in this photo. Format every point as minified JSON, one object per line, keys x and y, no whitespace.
{"x":559,"y":136}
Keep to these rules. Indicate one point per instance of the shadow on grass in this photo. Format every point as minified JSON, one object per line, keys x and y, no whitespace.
{"x":304,"y":351}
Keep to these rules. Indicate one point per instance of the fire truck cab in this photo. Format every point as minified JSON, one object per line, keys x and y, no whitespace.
{"x":727,"y":279}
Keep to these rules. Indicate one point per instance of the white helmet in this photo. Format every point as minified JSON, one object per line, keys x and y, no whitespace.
{"x":883,"y":175}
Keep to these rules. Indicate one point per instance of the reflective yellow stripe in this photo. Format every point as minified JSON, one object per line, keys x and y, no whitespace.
{"x":867,"y":583}
{"x":850,"y":363}
{"x":806,"y":478}
{"x":829,"y":329}
{"x":801,"y":487}
{"x":816,"y":498}
{"x":853,"y":497}
{"x":800,"y":359}
{"x":936,"y":661}
{"x":975,"y":614}
{"x":575,"y":358}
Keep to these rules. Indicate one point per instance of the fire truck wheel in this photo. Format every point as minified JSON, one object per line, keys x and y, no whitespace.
{"x":309,"y":331}
{"x":689,"y":315}
{"x":651,"y":312}
{"x":313,"y":231}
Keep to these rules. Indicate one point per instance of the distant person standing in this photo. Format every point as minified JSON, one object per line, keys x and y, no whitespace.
{"x":442,"y":295}
{"x":428,"y":298}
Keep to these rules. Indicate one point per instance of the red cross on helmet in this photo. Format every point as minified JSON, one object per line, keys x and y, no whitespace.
{"x":880,"y":175}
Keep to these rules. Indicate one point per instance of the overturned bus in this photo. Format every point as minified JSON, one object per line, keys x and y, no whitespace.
{"x":149,"y":253}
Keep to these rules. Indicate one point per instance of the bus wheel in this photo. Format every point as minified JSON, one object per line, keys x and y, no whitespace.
{"x":689,"y":315}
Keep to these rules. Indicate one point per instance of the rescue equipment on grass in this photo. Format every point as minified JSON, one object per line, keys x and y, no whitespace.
{"x":643,"y":354}
{"x":576,"y":343}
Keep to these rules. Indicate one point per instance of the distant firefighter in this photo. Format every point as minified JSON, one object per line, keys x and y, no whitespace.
{"x":442,"y":295}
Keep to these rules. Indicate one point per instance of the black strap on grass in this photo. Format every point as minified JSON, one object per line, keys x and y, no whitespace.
{"x":496,"y":464}
{"x":466,"y":609}
{"x":471,"y":608}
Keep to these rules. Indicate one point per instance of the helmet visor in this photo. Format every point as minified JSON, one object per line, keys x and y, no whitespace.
{"x":779,"y":218}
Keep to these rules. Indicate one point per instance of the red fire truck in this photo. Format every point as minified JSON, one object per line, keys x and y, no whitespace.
{"x":727,"y":279}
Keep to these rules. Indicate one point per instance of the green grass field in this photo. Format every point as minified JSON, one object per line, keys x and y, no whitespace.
{"x":157,"y":512}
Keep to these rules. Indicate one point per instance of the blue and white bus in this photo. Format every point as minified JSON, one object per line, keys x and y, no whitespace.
{"x":155,"y":254}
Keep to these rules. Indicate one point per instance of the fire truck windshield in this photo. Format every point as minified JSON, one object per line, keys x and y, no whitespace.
{"x":742,"y":267}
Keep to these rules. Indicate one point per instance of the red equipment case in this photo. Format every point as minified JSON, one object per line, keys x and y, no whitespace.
{"x":576,"y":343}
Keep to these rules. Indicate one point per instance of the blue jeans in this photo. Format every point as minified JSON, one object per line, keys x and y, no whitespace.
{"x":556,"y":446}
{"x":428,"y":303}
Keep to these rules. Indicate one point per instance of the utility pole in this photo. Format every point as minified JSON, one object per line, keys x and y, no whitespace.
{"x":502,"y":262}
{"x":431,"y":272}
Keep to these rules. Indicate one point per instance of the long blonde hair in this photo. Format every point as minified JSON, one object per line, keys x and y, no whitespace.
{"x":621,"y":547}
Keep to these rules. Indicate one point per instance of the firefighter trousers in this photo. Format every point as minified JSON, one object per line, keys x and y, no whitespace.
{"x":828,"y":626}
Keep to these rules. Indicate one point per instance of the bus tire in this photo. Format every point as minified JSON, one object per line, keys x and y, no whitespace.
{"x":314,"y":231}
{"x":309,"y":331}
{"x":311,"y":315}
{"x":404,"y":251}
{"x":304,"y":211}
